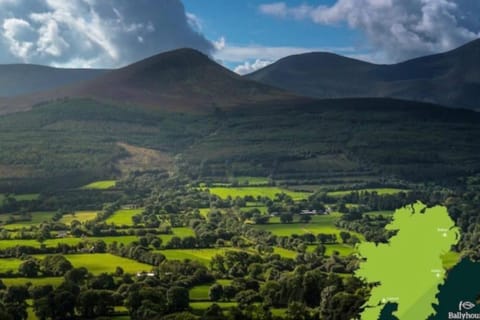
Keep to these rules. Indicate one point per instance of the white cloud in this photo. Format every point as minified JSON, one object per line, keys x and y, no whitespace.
{"x":95,"y":33}
{"x":241,"y":54}
{"x":249,"y":67}
{"x":246,"y":59}
{"x":398,"y":29}
{"x":18,"y":33}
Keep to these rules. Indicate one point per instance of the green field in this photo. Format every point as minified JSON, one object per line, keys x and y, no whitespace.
{"x":100,"y":185}
{"x":380,"y":191}
{"x":95,"y":263}
{"x":204,"y":212}
{"x":69,"y":241}
{"x":123,"y":217}
{"x":201,"y":306}
{"x":269,"y":192}
{"x":252,"y":180}
{"x":183,"y":232}
{"x":54,"y":281}
{"x":81,"y":216}
{"x":106,"y":263}
{"x":9,"y":264}
{"x":285,"y":253}
{"x":37,"y":218}
{"x":200,"y":292}
{"x":318,"y":224}
{"x":201,"y":255}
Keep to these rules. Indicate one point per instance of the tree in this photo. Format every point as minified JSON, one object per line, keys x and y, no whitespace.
{"x":76,"y":275}
{"x":55,"y":265}
{"x":213,"y":312}
{"x":247,"y":297}
{"x":29,"y":268}
{"x":215,"y":293}
{"x":286,"y":218}
{"x":177,"y":299}
{"x":305,"y":218}
{"x":297,"y":311}
{"x":345,"y":236}
{"x":229,"y":292}
{"x":146,"y":303}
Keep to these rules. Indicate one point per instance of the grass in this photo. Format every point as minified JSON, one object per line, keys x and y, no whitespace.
{"x":380,"y":191}
{"x":81,"y":216}
{"x":100,"y":185}
{"x":318,"y":224}
{"x":203,"y":305}
{"x":4,"y":244}
{"x":123,"y":217}
{"x":285,"y":253}
{"x":200,"y":292}
{"x":106,"y":263}
{"x":252,"y":180}
{"x":201,"y":255}
{"x":37,"y":218}
{"x":183,"y":232}
{"x":204,"y":212}
{"x":9,"y":264}
{"x":54,"y":281}
{"x":269,"y":192}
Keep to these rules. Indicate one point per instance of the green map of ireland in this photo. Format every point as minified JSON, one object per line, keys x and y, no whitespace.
{"x":408,"y":270}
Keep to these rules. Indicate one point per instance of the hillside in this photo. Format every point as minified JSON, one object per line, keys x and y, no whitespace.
{"x":450,"y":79}
{"x":21,"y":79}
{"x":73,"y":142}
{"x":179,"y":80}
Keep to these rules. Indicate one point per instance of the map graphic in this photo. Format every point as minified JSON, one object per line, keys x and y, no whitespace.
{"x":408,"y":270}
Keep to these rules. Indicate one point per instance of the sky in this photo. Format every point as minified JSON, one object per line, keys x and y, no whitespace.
{"x":243,"y":35}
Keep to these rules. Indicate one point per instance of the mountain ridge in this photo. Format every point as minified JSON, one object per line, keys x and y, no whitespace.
{"x":451,"y":78}
{"x":183,"y":80}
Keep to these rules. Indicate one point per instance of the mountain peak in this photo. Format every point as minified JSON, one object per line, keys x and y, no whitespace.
{"x":180,"y":80}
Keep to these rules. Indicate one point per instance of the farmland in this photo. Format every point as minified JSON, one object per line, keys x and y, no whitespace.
{"x":269,"y":192}
{"x":123,"y":217}
{"x":242,"y":257}
{"x":318,"y":224}
{"x":36,"y":219}
{"x":100,"y":185}
{"x":81,"y":216}
{"x":380,"y":191}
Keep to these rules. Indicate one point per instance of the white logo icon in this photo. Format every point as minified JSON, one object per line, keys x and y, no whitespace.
{"x":465,"y":305}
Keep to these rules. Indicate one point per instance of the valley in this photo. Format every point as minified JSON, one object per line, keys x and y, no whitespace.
{"x":173,"y":188}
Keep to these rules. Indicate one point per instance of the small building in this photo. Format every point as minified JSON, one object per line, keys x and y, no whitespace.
{"x":145,"y":274}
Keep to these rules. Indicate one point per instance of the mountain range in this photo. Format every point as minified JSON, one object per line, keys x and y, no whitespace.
{"x":450,"y":79}
{"x":181,"y":111}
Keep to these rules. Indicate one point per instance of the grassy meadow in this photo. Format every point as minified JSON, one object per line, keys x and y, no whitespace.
{"x":380,"y":191}
{"x":269,"y":192}
{"x":100,"y":185}
{"x":81,"y":216}
{"x":123,"y":217}
{"x":318,"y":224}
